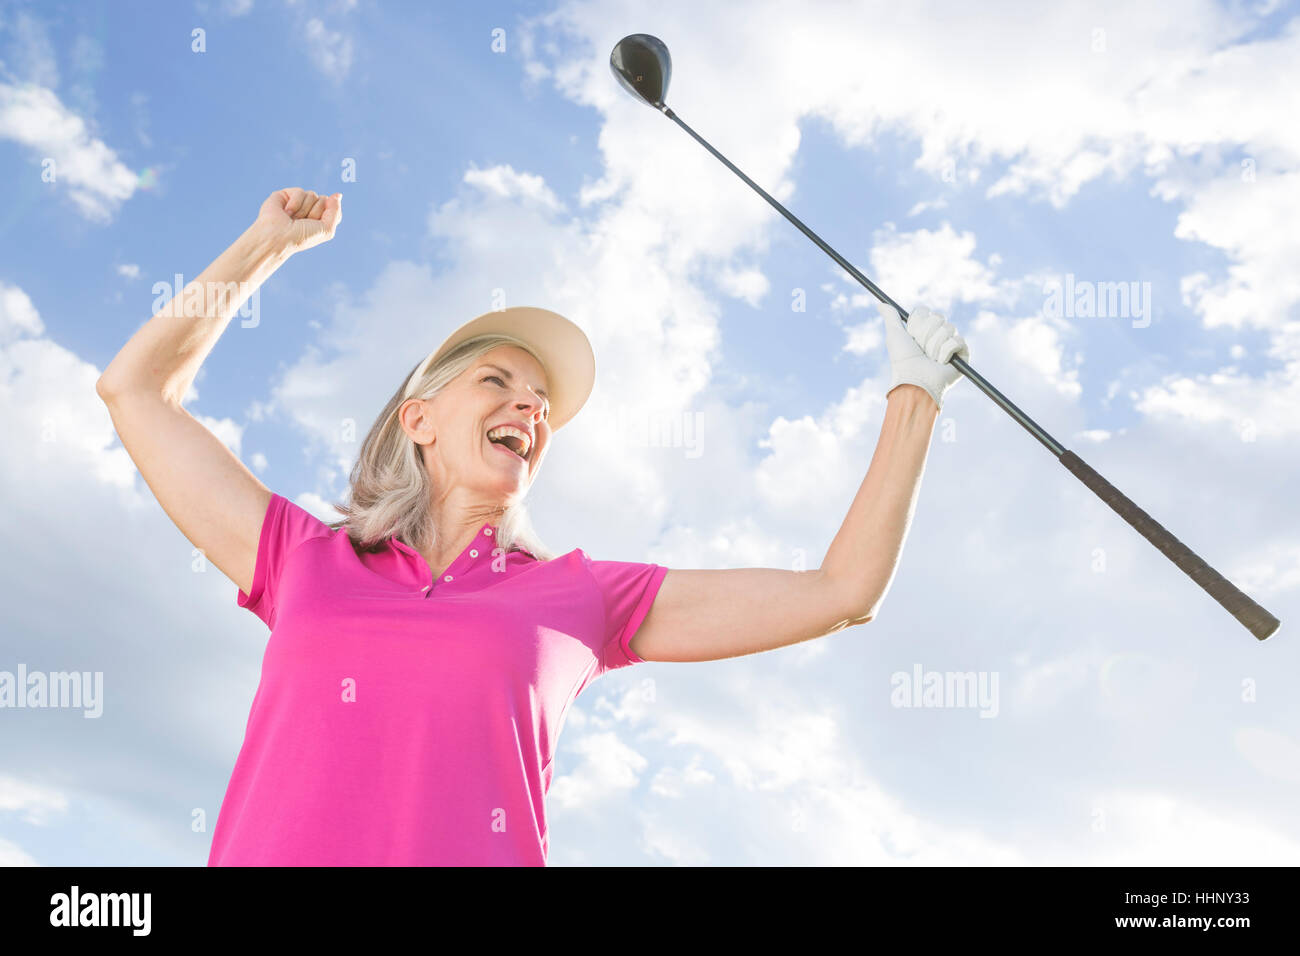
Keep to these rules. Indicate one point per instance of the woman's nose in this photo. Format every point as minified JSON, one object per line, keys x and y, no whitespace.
{"x":533,"y":404}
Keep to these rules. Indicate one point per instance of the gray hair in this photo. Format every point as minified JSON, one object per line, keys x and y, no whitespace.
{"x":390,"y":491}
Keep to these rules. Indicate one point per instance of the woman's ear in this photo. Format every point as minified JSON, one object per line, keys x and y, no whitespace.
{"x":414,"y":417}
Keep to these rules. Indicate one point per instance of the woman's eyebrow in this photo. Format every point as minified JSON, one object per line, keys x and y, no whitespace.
{"x":510,"y":377}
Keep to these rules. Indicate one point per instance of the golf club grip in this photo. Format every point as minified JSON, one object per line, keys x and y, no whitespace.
{"x":1253,"y":617}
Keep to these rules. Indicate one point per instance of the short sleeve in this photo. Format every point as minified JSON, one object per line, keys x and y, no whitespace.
{"x":284,"y":527}
{"x":628,"y":589}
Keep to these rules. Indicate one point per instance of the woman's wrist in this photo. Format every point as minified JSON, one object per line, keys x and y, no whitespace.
{"x":912,"y":397}
{"x":262,"y":251}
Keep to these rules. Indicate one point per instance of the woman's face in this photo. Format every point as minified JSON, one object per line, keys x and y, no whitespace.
{"x":505,"y":386}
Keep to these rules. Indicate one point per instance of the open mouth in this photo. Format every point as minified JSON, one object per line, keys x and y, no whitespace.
{"x":512,"y":440}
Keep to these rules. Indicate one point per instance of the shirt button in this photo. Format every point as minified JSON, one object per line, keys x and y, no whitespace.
{"x":473,"y":553}
{"x":447,"y":578}
{"x":488,"y":532}
{"x":425,"y":588}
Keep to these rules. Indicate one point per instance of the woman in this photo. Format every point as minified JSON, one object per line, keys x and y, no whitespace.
{"x":425,"y":649}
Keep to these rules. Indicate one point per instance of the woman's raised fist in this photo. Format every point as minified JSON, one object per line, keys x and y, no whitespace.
{"x":299,"y":219}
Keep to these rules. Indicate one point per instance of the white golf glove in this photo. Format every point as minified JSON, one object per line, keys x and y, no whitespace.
{"x":920,"y":349}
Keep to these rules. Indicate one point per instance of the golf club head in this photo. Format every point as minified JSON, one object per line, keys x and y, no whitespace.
{"x":642,"y":65}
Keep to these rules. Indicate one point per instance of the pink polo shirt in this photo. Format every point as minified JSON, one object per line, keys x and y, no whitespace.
{"x":403,"y":721}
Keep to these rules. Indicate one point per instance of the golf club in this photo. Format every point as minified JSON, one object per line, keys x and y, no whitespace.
{"x":641,"y":64}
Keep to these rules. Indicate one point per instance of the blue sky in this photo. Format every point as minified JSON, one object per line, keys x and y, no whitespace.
{"x":962,"y":160}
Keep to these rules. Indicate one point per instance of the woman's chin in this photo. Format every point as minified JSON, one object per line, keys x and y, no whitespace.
{"x":509,"y":489}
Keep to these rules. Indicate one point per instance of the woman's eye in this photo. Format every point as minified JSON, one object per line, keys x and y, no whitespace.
{"x":500,"y":381}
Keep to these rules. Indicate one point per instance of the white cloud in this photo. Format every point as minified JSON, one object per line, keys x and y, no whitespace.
{"x":1271,"y":753}
{"x":503,"y":182}
{"x":47,"y":395}
{"x":787,"y":772}
{"x":933,"y":268}
{"x":1248,"y":407}
{"x":660,"y":838}
{"x":865,"y":338}
{"x":675,"y":781}
{"x":11,"y":854}
{"x":1253,"y":223}
{"x":924,"y":205}
{"x":87,"y":169}
{"x":129,"y":269}
{"x":1057,"y":682}
{"x":1272,"y":570}
{"x":1037,"y":343}
{"x":608,"y":767}
{"x":749,"y":285}
{"x":1143,"y":828}
{"x":330,"y":50}
{"x":18,"y":315}
{"x":314,"y":504}
{"x":819,"y":460}
{"x":35,"y":803}
{"x":30,"y":54}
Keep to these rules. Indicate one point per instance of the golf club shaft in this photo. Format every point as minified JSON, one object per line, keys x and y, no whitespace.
{"x":983,"y":384}
{"x":1251,"y":615}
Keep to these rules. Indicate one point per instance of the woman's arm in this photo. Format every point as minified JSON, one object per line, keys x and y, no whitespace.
{"x":864,"y":554}
{"x":707,"y":615}
{"x":164,"y":355}
{"x":215,"y":501}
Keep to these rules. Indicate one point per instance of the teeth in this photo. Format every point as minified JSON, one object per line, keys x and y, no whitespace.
{"x":502,"y":430}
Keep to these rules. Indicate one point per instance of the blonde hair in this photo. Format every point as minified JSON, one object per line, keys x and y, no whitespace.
{"x":390,"y":491}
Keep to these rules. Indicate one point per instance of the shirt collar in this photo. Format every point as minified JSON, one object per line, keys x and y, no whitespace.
{"x":414,"y":567}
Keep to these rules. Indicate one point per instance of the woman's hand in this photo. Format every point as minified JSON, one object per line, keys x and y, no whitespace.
{"x":919,"y":351}
{"x":297,"y":219}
